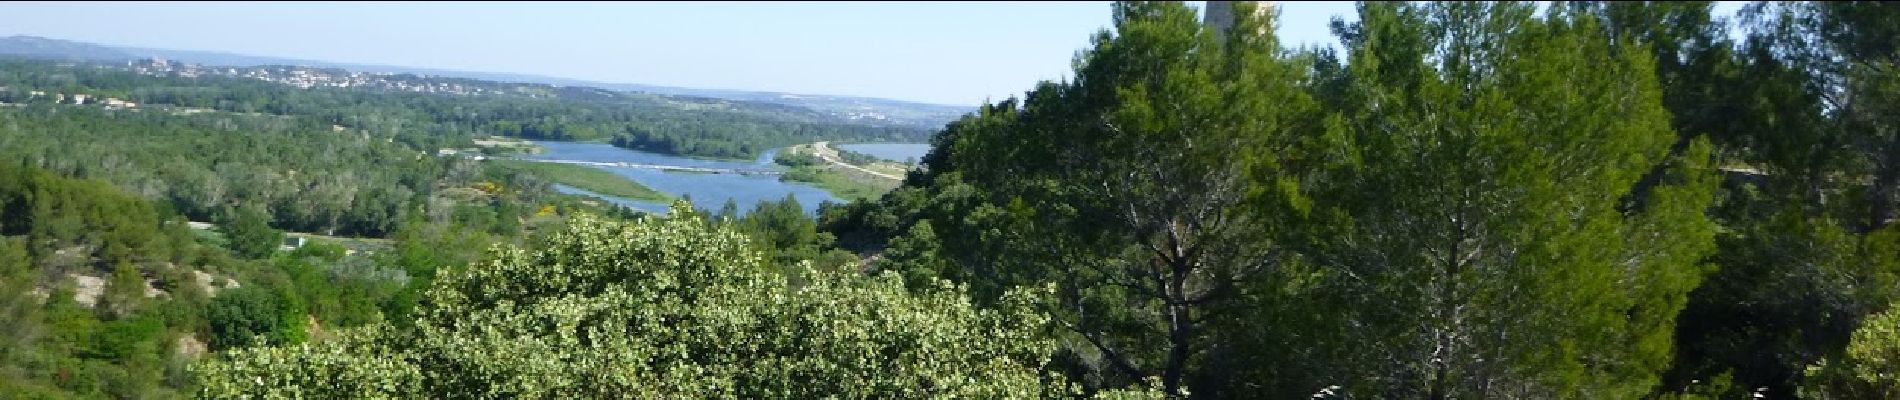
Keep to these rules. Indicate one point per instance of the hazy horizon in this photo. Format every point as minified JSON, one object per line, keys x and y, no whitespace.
{"x":930,"y":52}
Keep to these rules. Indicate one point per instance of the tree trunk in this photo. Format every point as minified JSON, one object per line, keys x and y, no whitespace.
{"x":1180,"y":312}
{"x":1438,"y":384}
{"x":1639,"y":193}
{"x":1886,"y":178}
{"x":1180,"y":331}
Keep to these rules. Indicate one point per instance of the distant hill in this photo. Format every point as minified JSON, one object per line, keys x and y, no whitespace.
{"x":864,"y":110}
{"x":55,"y":49}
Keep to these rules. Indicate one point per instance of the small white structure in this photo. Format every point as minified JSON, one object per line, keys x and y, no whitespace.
{"x":293,"y":243}
{"x":1220,"y":15}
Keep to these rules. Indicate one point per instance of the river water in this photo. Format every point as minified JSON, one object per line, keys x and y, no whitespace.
{"x":899,"y":152}
{"x":707,"y":191}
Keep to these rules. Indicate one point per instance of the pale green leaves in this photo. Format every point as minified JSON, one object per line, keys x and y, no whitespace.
{"x":664,"y":308}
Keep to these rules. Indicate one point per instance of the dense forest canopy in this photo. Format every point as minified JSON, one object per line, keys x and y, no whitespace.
{"x":1467,"y":200}
{"x":111,"y":293}
{"x":1594,"y":200}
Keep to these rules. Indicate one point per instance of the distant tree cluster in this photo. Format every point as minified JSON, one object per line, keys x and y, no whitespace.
{"x":300,"y":176}
{"x":108,"y":294}
{"x":856,"y":158}
{"x":797,"y":159}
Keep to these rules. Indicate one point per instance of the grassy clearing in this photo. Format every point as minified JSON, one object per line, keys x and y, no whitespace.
{"x":841,"y":182}
{"x":588,"y":178}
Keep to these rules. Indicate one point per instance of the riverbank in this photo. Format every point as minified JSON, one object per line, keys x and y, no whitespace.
{"x":844,"y":184}
{"x":821,"y":166}
{"x":707,"y":191}
{"x":589,"y":179}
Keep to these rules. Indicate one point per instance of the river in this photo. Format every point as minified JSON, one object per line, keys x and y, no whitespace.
{"x":708,"y":191}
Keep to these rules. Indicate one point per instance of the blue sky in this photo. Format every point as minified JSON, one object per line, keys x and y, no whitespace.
{"x":940,"y":52}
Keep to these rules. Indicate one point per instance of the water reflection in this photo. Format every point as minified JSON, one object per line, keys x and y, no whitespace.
{"x":707,"y":191}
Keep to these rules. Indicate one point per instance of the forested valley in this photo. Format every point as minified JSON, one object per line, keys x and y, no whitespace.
{"x":1589,"y":200}
{"x":679,"y":125}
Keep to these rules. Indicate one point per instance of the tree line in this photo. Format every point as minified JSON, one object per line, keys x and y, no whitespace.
{"x":668,"y":124}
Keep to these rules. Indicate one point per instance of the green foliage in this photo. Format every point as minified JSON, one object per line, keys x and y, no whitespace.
{"x":662,"y":307}
{"x":1790,"y":289}
{"x":807,"y":167}
{"x":668,"y":124}
{"x":797,"y":159}
{"x":127,"y":339}
{"x":421,"y":250}
{"x":838,"y":183}
{"x":1480,"y":245}
{"x":362,"y":363}
{"x":1720,"y":387}
{"x":745,"y":139}
{"x":247,"y":316}
{"x":1127,"y":188}
{"x":336,"y":161}
{"x":855,"y":158}
{"x":302,"y":176}
{"x":53,"y":228}
{"x":124,"y":293}
{"x":782,"y":230}
{"x":336,"y":290}
{"x":1483,"y":200}
{"x":249,"y":232}
{"x":1809,"y":250}
{"x":1596,"y":200}
{"x":77,"y":224}
{"x":1869,"y":369}
{"x":917,"y":257}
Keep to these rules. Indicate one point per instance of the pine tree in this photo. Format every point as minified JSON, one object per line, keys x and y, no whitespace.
{"x":1131,"y":186}
{"x":124,"y":292}
{"x":248,"y":231}
{"x":1467,"y":236}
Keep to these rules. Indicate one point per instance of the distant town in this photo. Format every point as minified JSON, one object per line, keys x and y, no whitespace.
{"x":308,"y":77}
